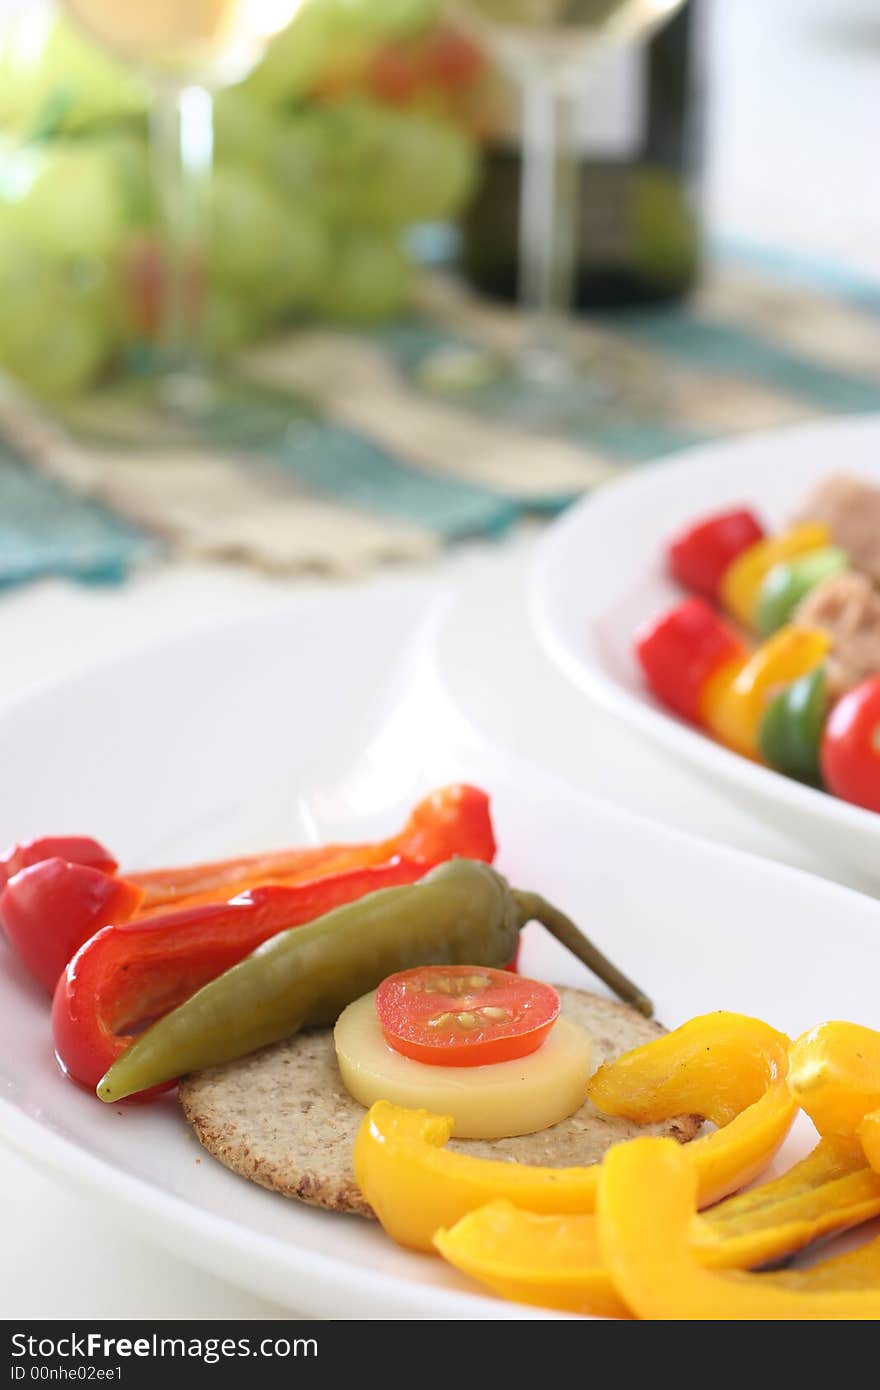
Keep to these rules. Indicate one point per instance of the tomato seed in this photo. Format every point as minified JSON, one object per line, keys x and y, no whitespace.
{"x":439,"y":1020}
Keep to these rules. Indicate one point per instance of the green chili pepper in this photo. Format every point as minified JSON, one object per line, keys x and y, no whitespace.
{"x":787,"y":583}
{"x":791,"y":730}
{"x":460,"y":913}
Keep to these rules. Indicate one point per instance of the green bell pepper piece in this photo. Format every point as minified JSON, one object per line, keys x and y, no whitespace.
{"x":787,"y":583}
{"x":791,"y":730}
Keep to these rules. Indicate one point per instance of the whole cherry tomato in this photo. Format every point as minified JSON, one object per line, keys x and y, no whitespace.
{"x":850,"y":753}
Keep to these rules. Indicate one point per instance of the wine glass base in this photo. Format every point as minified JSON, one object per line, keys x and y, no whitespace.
{"x":183,"y":410}
{"x":539,"y":389}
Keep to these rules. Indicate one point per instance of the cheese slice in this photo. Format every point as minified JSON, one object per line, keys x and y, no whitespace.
{"x":489,"y":1102}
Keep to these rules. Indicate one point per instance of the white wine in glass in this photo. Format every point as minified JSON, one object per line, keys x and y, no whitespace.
{"x":185,"y":49}
{"x":560,"y":34}
{"x":210,"y":41}
{"x":547,"y":46}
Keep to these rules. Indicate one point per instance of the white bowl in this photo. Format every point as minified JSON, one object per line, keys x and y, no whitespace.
{"x":599,"y":574}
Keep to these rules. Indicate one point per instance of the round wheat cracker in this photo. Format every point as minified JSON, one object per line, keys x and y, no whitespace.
{"x":283,"y":1118}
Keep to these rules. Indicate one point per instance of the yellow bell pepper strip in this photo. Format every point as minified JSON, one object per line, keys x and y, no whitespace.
{"x":742,"y":580}
{"x":544,"y":1261}
{"x":730,"y":1068}
{"x":869,"y":1137}
{"x":555,"y":1261}
{"x":829,"y":1191}
{"x":645,"y":1210}
{"x":834,"y":1076}
{"x":725,"y":1066}
{"x":415,"y":1185}
{"x":733,"y":701}
{"x":858,"y":1271}
{"x":836,"y":1079}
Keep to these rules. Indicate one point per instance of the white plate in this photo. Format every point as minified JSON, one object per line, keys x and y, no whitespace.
{"x":599,"y":573}
{"x":329,"y":720}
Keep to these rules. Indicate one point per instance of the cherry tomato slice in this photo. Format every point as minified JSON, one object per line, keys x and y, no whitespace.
{"x":464,"y":1015}
{"x":850,"y":751}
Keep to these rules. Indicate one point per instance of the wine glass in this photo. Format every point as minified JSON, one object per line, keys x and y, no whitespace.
{"x":185,"y":49}
{"x":547,"y":47}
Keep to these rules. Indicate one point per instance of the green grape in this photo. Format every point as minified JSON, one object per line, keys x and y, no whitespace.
{"x":244,"y":130}
{"x":247,"y":227}
{"x":305,"y":259}
{"x":53,"y":338}
{"x":59,"y":324}
{"x":397,"y":19}
{"x":228,"y":322}
{"x":332,"y":36}
{"x":52,"y":73}
{"x":370,"y":279}
{"x":304,"y":162}
{"x":383,"y":169}
{"x":70,"y":203}
{"x":264,"y":245}
{"x":364,"y":165}
{"x":57,"y":363}
{"x":301,"y":54}
{"x":90,"y":286}
{"x":28,"y":280}
{"x":128,"y":160}
{"x":380,"y":20}
{"x":22,"y":273}
{"x":427,"y":172}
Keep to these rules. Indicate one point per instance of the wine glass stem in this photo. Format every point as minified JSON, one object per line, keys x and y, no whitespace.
{"x":181,"y":143}
{"x":548,"y":218}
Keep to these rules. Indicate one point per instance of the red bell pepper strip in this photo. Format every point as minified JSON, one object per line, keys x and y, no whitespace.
{"x":679,"y":651}
{"x":698,"y":557}
{"x":129,"y":975}
{"x":451,"y":821}
{"x":51,"y":908}
{"x":76,"y":849}
{"x":54,"y":910}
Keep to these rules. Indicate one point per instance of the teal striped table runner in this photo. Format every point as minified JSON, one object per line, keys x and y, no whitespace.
{"x":385,"y":466}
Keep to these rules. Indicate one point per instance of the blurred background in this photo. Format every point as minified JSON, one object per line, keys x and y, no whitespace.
{"x":360,"y":122}
{"x":338,"y":219}
{"x":368,"y":122}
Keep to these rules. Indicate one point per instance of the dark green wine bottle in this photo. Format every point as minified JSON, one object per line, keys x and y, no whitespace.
{"x":639,"y":229}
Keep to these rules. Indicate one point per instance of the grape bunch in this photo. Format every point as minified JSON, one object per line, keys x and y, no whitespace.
{"x":355,"y":126}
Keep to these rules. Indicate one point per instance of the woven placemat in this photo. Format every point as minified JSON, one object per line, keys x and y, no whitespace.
{"x":390,"y":463}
